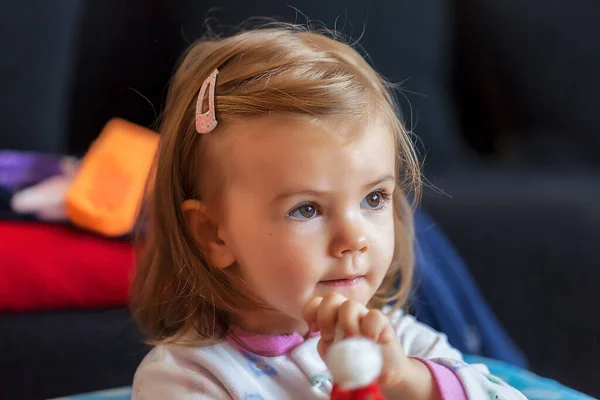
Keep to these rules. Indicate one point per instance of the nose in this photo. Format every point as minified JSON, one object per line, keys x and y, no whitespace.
{"x":349,"y":238}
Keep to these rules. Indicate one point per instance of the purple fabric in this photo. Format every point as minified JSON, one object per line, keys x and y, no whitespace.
{"x":21,"y":169}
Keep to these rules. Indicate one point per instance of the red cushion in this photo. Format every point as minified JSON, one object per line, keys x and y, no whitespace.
{"x":45,"y":266}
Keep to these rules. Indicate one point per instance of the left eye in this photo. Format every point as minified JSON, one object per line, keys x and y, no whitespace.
{"x":373,"y":200}
{"x":304,"y":212}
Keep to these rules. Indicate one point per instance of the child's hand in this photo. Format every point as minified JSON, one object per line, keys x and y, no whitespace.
{"x":336,"y":316}
{"x":401,"y":377}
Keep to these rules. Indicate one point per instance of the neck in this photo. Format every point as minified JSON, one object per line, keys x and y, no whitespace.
{"x":263,"y":320}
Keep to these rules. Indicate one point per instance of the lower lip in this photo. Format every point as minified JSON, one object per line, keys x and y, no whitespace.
{"x":342,"y":282}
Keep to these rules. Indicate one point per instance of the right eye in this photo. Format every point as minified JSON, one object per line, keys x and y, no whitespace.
{"x":304,"y":212}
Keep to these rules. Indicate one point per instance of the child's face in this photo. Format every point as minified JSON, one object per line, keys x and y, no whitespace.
{"x":306,"y":212}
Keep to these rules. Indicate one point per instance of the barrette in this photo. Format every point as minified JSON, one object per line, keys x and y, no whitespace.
{"x":206,"y":122}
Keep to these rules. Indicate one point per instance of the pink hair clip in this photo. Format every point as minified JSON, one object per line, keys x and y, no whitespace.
{"x":206,"y":122}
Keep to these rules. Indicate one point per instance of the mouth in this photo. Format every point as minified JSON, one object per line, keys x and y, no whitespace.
{"x":344,"y":282}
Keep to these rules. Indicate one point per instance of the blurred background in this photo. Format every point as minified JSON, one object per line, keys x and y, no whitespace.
{"x":503,"y":95}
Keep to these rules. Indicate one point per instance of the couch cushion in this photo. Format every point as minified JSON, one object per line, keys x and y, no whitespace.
{"x":545,"y":57}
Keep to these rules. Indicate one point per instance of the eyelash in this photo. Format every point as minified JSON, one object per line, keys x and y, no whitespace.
{"x":385,"y":199}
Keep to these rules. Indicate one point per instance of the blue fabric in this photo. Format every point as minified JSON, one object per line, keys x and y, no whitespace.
{"x":112,"y":394}
{"x":531,"y":385}
{"x":447,"y":299}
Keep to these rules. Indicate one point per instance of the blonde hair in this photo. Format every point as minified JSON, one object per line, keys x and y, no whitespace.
{"x":284,"y":69}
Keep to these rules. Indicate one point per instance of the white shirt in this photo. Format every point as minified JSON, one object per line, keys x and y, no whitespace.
{"x":229,"y":371}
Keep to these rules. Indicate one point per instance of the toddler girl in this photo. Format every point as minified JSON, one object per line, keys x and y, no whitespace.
{"x":277,"y":217}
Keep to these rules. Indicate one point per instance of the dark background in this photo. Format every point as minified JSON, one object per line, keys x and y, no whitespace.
{"x":502,"y":93}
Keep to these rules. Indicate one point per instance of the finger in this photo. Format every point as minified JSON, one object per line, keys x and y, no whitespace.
{"x":349,"y":316}
{"x":310,"y":313}
{"x":323,"y":348}
{"x":327,"y":315}
{"x":388,"y":334}
{"x":373,"y":325}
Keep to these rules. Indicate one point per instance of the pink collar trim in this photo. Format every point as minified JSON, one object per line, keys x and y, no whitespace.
{"x":266,"y":345}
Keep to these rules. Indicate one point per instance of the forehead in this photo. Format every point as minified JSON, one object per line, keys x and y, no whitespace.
{"x":282,"y":150}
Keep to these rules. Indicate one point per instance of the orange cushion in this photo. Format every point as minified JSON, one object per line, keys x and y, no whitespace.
{"x":107,"y":190}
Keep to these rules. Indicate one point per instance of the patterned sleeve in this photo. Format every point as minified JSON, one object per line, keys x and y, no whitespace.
{"x":420,"y":341}
{"x":160,"y":377}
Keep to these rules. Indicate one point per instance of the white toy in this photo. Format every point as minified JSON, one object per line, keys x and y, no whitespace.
{"x":355,"y":365}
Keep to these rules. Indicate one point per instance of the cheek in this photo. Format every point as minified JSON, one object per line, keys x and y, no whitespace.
{"x":269,"y":252}
{"x":293,"y":254}
{"x":281,"y":269}
{"x":383,"y":241}
{"x":296,"y":245}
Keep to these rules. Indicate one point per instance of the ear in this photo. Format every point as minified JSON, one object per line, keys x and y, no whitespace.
{"x":206,"y":234}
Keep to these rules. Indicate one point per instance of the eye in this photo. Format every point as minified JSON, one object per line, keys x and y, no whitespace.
{"x":304,"y":212}
{"x":375,"y":200}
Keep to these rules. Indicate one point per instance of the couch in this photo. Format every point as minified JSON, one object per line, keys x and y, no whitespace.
{"x":500,"y":93}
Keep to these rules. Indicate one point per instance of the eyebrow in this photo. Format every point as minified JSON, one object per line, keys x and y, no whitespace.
{"x":385,"y":179}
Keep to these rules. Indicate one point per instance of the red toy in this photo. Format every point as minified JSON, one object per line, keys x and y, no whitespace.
{"x":355,"y":365}
{"x":370,"y":392}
